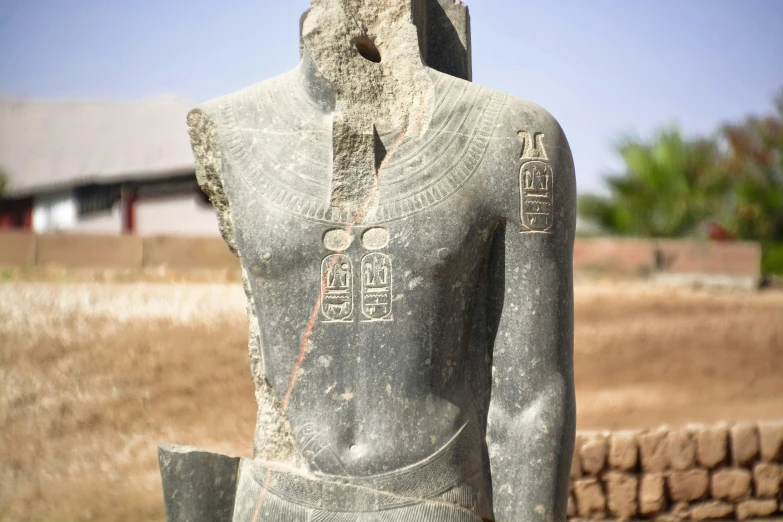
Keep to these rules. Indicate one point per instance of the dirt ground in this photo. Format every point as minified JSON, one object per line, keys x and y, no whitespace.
{"x":94,"y":376}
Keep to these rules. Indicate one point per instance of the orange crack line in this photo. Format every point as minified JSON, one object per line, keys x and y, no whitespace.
{"x":357,"y":217}
{"x":261,"y":497}
{"x":360,"y":213}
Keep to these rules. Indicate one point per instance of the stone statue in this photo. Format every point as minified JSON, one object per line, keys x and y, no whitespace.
{"x":406,"y":244}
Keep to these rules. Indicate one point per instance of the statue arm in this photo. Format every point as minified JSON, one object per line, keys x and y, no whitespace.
{"x":531,"y":418}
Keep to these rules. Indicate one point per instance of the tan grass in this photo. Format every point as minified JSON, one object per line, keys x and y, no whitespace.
{"x":94,"y":376}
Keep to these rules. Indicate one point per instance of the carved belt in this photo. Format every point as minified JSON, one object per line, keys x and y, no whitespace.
{"x":451,"y":476}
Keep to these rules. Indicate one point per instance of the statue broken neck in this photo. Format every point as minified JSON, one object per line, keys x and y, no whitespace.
{"x":363,"y":63}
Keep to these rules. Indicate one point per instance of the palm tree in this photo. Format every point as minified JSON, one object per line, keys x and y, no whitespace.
{"x":669,"y":187}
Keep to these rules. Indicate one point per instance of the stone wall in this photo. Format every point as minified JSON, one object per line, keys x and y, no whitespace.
{"x":724,"y":471}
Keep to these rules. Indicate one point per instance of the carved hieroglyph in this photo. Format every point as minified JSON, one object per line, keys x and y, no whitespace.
{"x":337,"y":278}
{"x":377,"y":287}
{"x":536,"y":184}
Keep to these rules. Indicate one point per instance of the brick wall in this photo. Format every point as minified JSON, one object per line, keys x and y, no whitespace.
{"x":643,"y":257}
{"x":724,"y":471}
{"x":613,"y":257}
{"x":93,"y":251}
{"x":17,"y":249}
{"x":187,"y":252}
{"x":621,"y":257}
{"x":115,"y":251}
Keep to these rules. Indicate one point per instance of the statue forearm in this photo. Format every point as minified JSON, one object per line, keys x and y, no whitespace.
{"x":530,"y":453}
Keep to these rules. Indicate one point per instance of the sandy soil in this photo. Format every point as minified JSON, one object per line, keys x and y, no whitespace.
{"x":94,"y":376}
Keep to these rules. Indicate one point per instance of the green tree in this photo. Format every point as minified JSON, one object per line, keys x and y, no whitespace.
{"x":669,"y":186}
{"x":3,"y":181}
{"x":755,"y":163}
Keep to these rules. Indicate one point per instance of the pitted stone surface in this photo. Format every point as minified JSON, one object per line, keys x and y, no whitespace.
{"x":394,"y":92}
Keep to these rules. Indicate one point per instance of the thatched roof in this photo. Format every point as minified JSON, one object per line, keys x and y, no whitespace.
{"x":56,"y":144}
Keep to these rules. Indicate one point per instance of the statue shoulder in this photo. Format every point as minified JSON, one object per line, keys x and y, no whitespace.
{"x":535,"y":128}
{"x":211,"y":127}
{"x":214,"y":125}
{"x":253,"y":100}
{"x":531,"y":178}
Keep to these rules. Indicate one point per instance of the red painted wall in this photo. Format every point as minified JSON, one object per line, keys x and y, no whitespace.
{"x":16,"y":214}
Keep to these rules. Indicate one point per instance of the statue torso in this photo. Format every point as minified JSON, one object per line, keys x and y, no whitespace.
{"x":376,"y":317}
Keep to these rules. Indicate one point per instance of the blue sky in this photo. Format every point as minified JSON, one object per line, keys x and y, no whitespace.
{"x":603,"y":68}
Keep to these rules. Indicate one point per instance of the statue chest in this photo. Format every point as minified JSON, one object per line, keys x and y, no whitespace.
{"x":362,"y":258}
{"x":426,"y":221}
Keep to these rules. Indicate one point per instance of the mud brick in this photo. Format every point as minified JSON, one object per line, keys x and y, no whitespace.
{"x":571,"y":510}
{"x":652,"y":497}
{"x":593,"y":454}
{"x":731,"y":484}
{"x":576,"y":462}
{"x":621,"y":489}
{"x":756,"y":508}
{"x":767,"y":478}
{"x":682,"y":449}
{"x":712,"y":443}
{"x":680,"y":510}
{"x":623,"y":450}
{"x":669,"y":517}
{"x":590,"y":498}
{"x":685,"y":486}
{"x":744,"y":443}
{"x":711,"y":510}
{"x":576,"y":468}
{"x":771,"y":439}
{"x":654,"y":450}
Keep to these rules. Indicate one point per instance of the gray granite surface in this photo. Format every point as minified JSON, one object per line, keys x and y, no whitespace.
{"x":406,"y":242}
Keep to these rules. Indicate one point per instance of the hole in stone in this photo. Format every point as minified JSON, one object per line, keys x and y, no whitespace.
{"x":367,"y":49}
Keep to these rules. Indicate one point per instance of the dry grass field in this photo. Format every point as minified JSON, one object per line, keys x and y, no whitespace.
{"x":94,"y":376}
